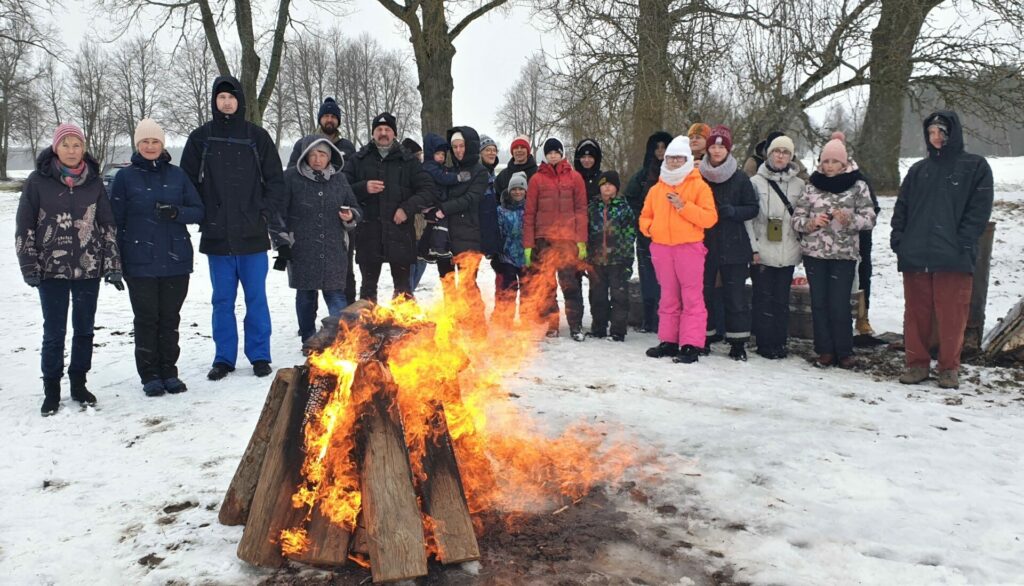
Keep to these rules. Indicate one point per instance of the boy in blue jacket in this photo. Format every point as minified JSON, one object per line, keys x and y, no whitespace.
{"x":508,"y":264}
{"x":612,"y":235}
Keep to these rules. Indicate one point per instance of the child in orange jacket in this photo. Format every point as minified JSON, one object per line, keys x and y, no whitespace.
{"x":676,"y":212}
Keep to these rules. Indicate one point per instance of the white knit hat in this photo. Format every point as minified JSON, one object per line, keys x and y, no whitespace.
{"x":457,"y":136}
{"x":148,"y":128}
{"x":782,"y":142}
{"x":679,"y":147}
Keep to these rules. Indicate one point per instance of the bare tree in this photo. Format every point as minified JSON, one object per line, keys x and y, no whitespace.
{"x":433,"y":47}
{"x":188,"y":85}
{"x":20,"y":38}
{"x":91,"y":99}
{"x":30,"y":121}
{"x":530,"y":106}
{"x":138,"y":68}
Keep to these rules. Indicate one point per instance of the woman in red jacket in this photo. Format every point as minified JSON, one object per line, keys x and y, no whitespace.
{"x":555,"y":237}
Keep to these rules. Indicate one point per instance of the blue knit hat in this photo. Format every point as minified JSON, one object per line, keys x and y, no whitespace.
{"x":329,"y":107}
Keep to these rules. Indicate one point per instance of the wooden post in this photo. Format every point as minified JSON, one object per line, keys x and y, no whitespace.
{"x":444,"y":498}
{"x":272,"y":509}
{"x":235,"y":508}
{"x":979,"y":293}
{"x":394,"y":527}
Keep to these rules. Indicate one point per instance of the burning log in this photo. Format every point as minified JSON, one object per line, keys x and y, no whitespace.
{"x":272,"y":509}
{"x":235,"y":508}
{"x":328,"y":543}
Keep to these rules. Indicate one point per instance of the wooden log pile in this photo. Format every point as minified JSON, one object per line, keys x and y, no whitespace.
{"x":393,"y":529}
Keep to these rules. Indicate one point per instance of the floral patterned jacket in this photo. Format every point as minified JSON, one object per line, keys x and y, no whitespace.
{"x":846,"y":192}
{"x":65,"y":232}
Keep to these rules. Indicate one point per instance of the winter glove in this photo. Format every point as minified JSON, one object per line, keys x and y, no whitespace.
{"x":464,"y":176}
{"x":581,"y":250}
{"x":32,"y":280}
{"x":166,"y":211}
{"x":284,"y":254}
{"x":726,"y":210}
{"x":528,"y":252}
{"x":114,"y":278}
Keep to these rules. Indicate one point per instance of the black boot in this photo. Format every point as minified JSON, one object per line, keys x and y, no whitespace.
{"x":219,"y":370}
{"x":687,"y":354}
{"x":51,"y":391}
{"x":738,"y":351}
{"x":78,"y":391}
{"x":663,"y":349}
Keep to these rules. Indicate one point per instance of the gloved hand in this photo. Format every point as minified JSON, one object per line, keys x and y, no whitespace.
{"x":166,"y":211}
{"x":581,"y":248}
{"x":114,"y":278}
{"x":528,"y":252}
{"x":464,"y":176}
{"x":726,"y":210}
{"x":32,"y":280}
{"x":284,"y":254}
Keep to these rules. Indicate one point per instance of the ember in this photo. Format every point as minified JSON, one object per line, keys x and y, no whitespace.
{"x":400,"y":409}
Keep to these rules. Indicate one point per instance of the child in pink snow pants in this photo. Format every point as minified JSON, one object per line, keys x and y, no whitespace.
{"x":677,"y":210}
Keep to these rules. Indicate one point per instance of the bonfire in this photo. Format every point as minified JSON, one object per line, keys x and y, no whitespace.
{"x":396,"y":438}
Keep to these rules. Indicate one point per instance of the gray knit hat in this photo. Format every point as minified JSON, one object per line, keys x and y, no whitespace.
{"x":518,"y":180}
{"x":486,"y":141}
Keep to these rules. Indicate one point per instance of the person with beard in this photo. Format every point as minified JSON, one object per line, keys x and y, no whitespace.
{"x":490,"y":238}
{"x":943,"y":208}
{"x":235,"y":167}
{"x":757,"y":158}
{"x":522,"y":161}
{"x":329,"y":120}
{"x":830,"y":213}
{"x":461,"y":206}
{"x":587,"y":162}
{"x":728,"y":245}
{"x":391,"y":187}
{"x":636,"y":193}
{"x":677,"y":211}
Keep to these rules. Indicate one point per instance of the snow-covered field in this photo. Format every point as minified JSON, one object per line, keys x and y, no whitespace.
{"x":796,"y":475}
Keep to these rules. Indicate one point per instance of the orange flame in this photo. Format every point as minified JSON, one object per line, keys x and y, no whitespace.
{"x":447,"y":360}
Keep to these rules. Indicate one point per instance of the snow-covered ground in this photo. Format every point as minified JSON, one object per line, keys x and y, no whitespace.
{"x":796,"y":475}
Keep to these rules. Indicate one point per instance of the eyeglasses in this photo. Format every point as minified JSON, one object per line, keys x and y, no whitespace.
{"x":676,"y":158}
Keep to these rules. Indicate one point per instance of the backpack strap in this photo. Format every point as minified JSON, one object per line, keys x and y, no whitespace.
{"x":239,"y":141}
{"x":782,"y":196}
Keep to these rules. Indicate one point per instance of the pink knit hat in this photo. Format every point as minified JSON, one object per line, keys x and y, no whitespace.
{"x":835,"y":149}
{"x":65,"y":130}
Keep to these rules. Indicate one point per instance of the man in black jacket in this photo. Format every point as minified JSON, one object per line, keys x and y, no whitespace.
{"x":391,"y":187}
{"x":329,"y":119}
{"x":522,"y":161}
{"x":237,"y":171}
{"x":943,"y":208}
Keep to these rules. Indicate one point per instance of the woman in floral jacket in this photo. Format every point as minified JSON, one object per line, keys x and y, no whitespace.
{"x":833,"y":208}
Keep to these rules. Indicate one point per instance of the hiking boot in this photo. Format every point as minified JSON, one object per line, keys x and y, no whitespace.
{"x":51,"y":400}
{"x":154,"y":388}
{"x":219,"y":370}
{"x":687,"y":355}
{"x":824,"y":360}
{"x":738,"y":351}
{"x":913,"y":375}
{"x":78,"y":391}
{"x":261,"y":368}
{"x":949,"y":379}
{"x":577,"y":335}
{"x":863,"y":327}
{"x":847,"y":362}
{"x":596,"y":334}
{"x":663,"y":349}
{"x":618,"y":337}
{"x":174,"y":385}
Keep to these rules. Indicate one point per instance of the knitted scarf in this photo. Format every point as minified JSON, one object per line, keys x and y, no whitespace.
{"x":71,"y":176}
{"x":837,"y":184}
{"x":721,"y":173}
{"x":675,"y":177}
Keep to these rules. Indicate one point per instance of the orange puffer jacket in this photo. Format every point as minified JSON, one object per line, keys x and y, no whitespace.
{"x":664,"y":224}
{"x":556,"y":205}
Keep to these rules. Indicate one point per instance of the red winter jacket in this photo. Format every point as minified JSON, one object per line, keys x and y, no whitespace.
{"x":556,"y":205}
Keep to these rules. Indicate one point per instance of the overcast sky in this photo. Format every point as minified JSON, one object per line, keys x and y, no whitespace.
{"x":489,"y":54}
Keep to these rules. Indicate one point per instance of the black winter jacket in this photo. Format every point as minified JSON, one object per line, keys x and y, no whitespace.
{"x":529,"y":167}
{"x":235,"y":167}
{"x":590,"y":176}
{"x":943,"y":208}
{"x":736,"y":200}
{"x":462,"y":205}
{"x":406,"y":185}
{"x":62,"y":232}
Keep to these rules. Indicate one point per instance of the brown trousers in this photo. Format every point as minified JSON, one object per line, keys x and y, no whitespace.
{"x":942,"y":298}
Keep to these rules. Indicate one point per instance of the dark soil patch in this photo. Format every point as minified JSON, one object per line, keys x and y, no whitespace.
{"x":179,"y":507}
{"x":590,"y":542}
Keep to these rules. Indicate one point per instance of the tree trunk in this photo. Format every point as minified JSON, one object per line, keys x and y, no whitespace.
{"x":892,"y":46}
{"x":434,"y":53}
{"x":654,"y":29}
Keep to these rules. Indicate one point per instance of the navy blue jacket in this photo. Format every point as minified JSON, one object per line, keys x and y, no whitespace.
{"x":150,"y":245}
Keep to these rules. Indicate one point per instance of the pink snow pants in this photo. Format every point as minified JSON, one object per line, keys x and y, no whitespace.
{"x":682,"y":317}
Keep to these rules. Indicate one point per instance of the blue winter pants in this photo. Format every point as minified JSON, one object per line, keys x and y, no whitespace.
{"x":306,"y":306}
{"x":226,"y":272}
{"x":54,"y":295}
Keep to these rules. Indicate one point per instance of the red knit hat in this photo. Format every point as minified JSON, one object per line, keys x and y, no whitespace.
{"x":65,"y":130}
{"x":721,"y":135}
{"x":520,"y":141}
